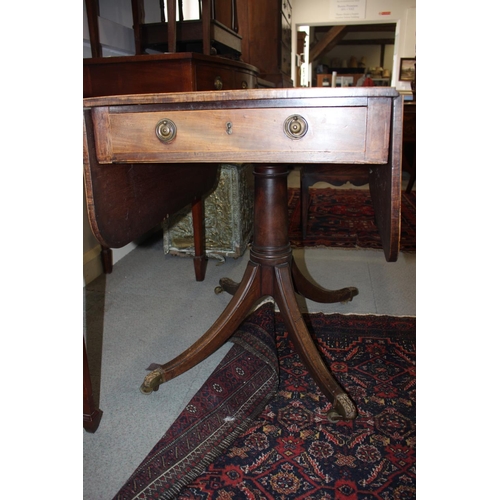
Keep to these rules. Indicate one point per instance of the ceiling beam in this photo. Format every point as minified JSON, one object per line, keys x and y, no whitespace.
{"x":334,"y":35}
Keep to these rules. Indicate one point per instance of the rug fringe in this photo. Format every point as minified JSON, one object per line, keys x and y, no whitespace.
{"x":210,"y":457}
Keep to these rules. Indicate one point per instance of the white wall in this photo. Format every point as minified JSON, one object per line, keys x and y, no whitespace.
{"x":402,"y":12}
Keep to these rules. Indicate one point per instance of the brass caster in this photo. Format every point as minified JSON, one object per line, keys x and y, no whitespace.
{"x":147,"y":390}
{"x":334,"y":417}
{"x":228,"y":285}
{"x":343,"y":409}
{"x":354,"y":291}
{"x":152,"y":381}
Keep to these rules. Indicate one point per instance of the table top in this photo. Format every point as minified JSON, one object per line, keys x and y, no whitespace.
{"x":308,"y":125}
{"x":247,"y":96}
{"x":260,"y":126}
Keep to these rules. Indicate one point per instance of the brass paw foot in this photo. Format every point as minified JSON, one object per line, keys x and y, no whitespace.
{"x":227,"y":285}
{"x":152,"y":381}
{"x":353,"y":292}
{"x":343,"y":409}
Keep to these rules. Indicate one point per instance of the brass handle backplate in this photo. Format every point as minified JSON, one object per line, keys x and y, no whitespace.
{"x":166,"y":130}
{"x":295,"y":127}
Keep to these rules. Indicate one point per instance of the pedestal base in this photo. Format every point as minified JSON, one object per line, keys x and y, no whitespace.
{"x":271,"y":271}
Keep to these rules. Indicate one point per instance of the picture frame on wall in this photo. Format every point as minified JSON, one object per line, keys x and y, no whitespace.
{"x":407,"y":69}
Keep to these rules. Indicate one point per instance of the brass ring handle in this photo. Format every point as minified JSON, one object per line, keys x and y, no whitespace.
{"x":166,"y":130}
{"x":295,"y":127}
{"x":244,"y":85}
{"x":218,"y":83}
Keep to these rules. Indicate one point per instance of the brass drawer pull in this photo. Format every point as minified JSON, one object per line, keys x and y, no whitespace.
{"x":166,"y":130}
{"x":295,"y":127}
{"x":218,"y":83}
{"x":244,"y":85}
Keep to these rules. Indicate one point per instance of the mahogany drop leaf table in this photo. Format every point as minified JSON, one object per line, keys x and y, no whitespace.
{"x":271,"y":129}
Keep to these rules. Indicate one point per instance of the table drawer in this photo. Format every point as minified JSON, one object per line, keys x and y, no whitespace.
{"x":252,"y":135}
{"x":211,"y":77}
{"x":244,"y":80}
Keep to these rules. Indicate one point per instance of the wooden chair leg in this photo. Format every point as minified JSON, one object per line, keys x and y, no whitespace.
{"x":92,"y":7}
{"x":200,"y":257}
{"x":91,"y":414}
{"x":138,"y":17}
{"x":107,"y":260}
{"x":172,"y":24}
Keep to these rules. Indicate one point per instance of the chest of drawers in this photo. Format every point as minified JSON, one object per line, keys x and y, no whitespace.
{"x":177,"y":72}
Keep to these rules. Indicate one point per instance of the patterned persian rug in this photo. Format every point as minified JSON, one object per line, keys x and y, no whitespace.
{"x":285,"y":448}
{"x":345,"y":218}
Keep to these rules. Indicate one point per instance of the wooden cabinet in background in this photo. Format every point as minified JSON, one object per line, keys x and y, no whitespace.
{"x":178,"y":72}
{"x":266,"y":30}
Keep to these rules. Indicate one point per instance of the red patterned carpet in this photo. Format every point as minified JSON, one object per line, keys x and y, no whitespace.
{"x":345,"y":218}
{"x":280,"y":445}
